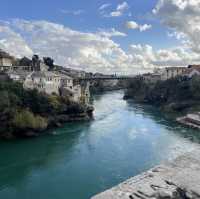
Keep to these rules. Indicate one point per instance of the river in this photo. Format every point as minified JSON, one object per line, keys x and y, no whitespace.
{"x":82,"y":159}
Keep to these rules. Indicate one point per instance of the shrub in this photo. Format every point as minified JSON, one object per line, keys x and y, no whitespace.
{"x":25,"y":119}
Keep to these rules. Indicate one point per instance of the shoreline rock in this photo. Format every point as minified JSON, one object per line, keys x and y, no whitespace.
{"x":178,"y":179}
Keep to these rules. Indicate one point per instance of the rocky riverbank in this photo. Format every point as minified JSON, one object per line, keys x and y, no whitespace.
{"x":28,"y":113}
{"x":179,"y":95}
{"x":176,"y":180}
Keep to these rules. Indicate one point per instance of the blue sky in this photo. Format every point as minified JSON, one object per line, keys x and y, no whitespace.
{"x":139,"y":38}
{"x":90,"y":19}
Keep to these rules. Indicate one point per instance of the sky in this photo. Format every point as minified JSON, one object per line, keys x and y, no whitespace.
{"x":109,"y":36}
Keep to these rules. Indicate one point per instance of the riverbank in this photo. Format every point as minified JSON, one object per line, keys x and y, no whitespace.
{"x":28,"y":113}
{"x":176,"y":180}
{"x":177,"y":96}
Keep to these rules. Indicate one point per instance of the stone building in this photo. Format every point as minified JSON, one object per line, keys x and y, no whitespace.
{"x":74,"y":89}
{"x":47,"y":82}
{"x":19,"y":76}
{"x":6,"y":61}
{"x":170,"y":72}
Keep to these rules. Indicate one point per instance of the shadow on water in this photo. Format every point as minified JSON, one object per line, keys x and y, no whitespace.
{"x":21,"y":157}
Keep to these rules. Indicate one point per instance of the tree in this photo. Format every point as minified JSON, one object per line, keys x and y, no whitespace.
{"x":49,"y":62}
{"x":25,"y":62}
{"x":36,"y":62}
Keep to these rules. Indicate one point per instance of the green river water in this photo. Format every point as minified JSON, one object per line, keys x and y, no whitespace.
{"x":82,"y":159}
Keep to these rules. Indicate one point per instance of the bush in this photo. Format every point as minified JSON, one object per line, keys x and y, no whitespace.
{"x":24,"y":119}
{"x":179,"y":91}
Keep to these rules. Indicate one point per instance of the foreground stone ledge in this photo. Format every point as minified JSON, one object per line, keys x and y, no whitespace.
{"x":179,"y":179}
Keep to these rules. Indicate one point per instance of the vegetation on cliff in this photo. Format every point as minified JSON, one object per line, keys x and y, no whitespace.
{"x":100,"y":86}
{"x":28,"y":112}
{"x":176,"y":94}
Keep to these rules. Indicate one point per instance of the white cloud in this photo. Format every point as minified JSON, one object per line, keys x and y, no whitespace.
{"x":183,"y":17}
{"x":119,"y":11}
{"x":104,"y":6}
{"x":73,"y":12}
{"x":145,"y":27}
{"x":111,"y":33}
{"x":178,"y":56}
{"x":123,"y":6}
{"x":12,"y":42}
{"x":89,"y":51}
{"x":95,"y":52}
{"x":134,"y":25}
{"x":115,"y":14}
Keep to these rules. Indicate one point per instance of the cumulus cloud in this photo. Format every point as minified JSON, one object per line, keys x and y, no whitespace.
{"x":95,"y":52}
{"x":134,"y":25}
{"x":89,"y":51}
{"x":178,"y":56}
{"x":183,"y":17}
{"x":13,"y":42}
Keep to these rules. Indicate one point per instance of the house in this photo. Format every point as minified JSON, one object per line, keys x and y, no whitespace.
{"x":19,"y":76}
{"x":171,"y":72}
{"x":6,"y":61}
{"x":192,"y":70}
{"x":75,"y":90}
{"x":67,"y":86}
{"x":66,"y":81}
{"x":47,"y":82}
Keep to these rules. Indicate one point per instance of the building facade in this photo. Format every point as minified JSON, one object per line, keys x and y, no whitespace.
{"x":6,"y":60}
{"x":46,"y":82}
{"x":171,"y":72}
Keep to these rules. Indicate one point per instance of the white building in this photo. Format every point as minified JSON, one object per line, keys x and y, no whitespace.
{"x":6,"y":61}
{"x":171,"y":72}
{"x":69,"y":88}
{"x":74,"y":90}
{"x":47,"y":82}
{"x":17,"y":75}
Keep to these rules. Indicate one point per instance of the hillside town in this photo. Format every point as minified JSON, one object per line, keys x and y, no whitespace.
{"x":45,"y":77}
{"x":162,"y":74}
